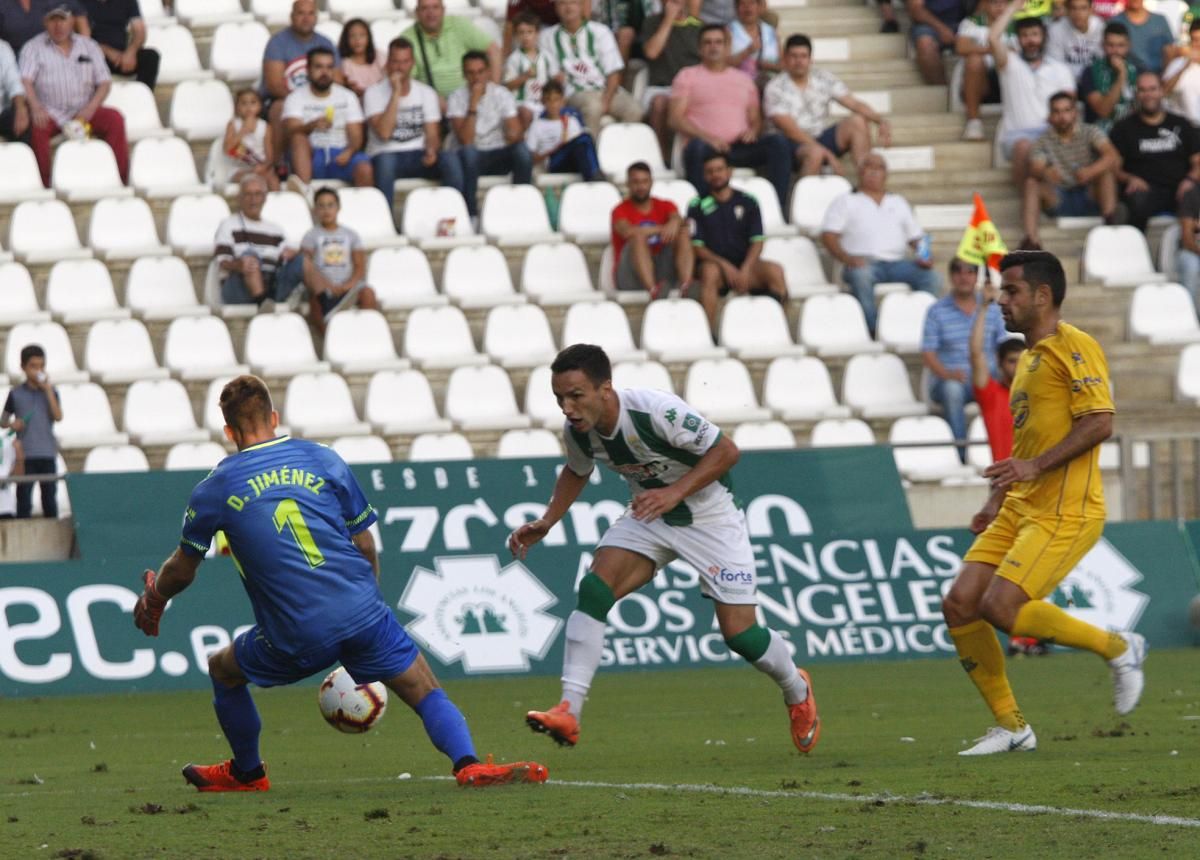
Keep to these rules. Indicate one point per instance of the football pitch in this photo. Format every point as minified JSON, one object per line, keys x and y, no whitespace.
{"x":678,"y":763}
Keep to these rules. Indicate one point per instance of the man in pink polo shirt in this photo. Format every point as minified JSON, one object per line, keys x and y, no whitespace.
{"x":715,"y":108}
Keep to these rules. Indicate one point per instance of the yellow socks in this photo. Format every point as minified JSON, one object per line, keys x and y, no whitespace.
{"x":980,"y":654}
{"x":1042,"y":620}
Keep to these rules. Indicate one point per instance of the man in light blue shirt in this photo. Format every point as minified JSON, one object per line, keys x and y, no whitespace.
{"x":1149,"y":34}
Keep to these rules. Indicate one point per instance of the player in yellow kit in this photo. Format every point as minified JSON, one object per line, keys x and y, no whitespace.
{"x":1045,"y":510}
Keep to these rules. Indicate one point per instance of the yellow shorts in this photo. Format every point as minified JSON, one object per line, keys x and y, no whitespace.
{"x":1034,"y":552}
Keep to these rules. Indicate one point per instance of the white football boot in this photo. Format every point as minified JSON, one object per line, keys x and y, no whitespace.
{"x":1128,"y":677}
{"x":1000,"y":740}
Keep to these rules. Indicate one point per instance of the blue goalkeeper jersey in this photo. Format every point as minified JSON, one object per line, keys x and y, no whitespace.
{"x":288,"y":508}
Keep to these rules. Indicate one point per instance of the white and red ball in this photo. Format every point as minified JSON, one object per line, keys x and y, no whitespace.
{"x":350,"y":707}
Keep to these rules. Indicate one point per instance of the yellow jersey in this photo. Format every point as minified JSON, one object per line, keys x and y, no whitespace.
{"x":1061,"y":378}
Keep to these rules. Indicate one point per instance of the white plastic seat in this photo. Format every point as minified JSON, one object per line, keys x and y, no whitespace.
{"x":622,"y":143}
{"x":81,"y":291}
{"x":362,"y":449}
{"x":477,"y":276}
{"x":123,"y":229}
{"x":801,"y":263}
{"x":1187,"y":377}
{"x":319,"y":405}
{"x":386,"y":27}
{"x":154,"y":13}
{"x":678,"y":191}
{"x":119,"y":351}
{"x":482,"y":398}
{"x":835,"y":325}
{"x":192,"y":223}
{"x":159,"y":412}
{"x":642,"y":374}
{"x":135,"y":102}
{"x":877,"y":386}
{"x":585,"y":212}
{"x":116,"y":458}
{"x":87,"y":417}
{"x":164,"y":167}
{"x":199,"y":347}
{"x":200,"y":110}
{"x":799,"y":389}
{"x":440,"y":337}
{"x":280,"y":344}
{"x":902,"y":320}
{"x":516,"y":215}
{"x":811,"y":196}
{"x":86,"y":170}
{"x":677,"y":330}
{"x":540,"y":404}
{"x":1118,"y":257}
{"x":290,"y":212}
{"x":979,"y":452}
{"x":401,"y":278}
{"x":769,"y":207}
{"x":518,"y":336}
{"x":237,"y":50}
{"x":935,"y":462}
{"x":209,"y":13}
{"x":535,"y":442}
{"x":366,"y":211}
{"x":841,"y":433}
{"x":344,"y":10}
{"x":43,"y":231}
{"x":763,"y":435}
{"x":1164,"y":313}
{"x":18,"y":301}
{"x":430,"y":211}
{"x":756,"y":327}
{"x":360,"y":341}
{"x":556,"y":274}
{"x":22,"y":180}
{"x":722,"y":391}
{"x":440,"y":446}
{"x":400,"y":402}
{"x":273,"y":13}
{"x":51,"y":337}
{"x":177,"y":47}
{"x":604,"y":324}
{"x":185,"y":456}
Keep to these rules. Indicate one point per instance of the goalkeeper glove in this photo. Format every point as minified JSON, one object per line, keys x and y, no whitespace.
{"x":150,"y":606}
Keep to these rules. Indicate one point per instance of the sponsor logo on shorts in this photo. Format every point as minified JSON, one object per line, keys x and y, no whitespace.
{"x":731,"y":577}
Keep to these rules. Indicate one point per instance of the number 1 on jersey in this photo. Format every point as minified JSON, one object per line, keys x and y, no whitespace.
{"x":287,"y":515}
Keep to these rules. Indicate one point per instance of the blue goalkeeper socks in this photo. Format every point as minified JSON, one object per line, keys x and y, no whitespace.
{"x":446,"y":726}
{"x":240,"y":722}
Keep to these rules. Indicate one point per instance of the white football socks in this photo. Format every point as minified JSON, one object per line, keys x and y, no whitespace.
{"x":777,"y":663}
{"x":581,"y":659}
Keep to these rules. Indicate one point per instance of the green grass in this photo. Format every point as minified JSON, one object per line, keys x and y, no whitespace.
{"x":108,"y":785}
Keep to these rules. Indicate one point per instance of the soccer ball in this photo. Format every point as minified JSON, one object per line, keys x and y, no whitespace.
{"x":350,"y":707}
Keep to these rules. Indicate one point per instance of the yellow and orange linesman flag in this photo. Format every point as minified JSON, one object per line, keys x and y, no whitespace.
{"x":981,"y":243}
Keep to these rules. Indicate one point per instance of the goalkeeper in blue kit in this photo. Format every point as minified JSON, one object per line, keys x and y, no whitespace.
{"x":297,"y":525}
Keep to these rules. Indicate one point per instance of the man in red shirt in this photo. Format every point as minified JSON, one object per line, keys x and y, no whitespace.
{"x":992,"y":394}
{"x":642,"y":229}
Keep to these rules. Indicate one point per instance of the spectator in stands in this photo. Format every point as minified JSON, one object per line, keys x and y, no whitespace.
{"x":870,"y":232}
{"x":362,"y":64}
{"x":22,"y":20}
{"x":624,"y":18}
{"x":1072,"y":171}
{"x":1108,"y":9}
{"x":718,"y":12}
{"x":483,"y":115}
{"x":1149,"y":36}
{"x":934,"y":30}
{"x":247,"y":146}
{"x":670,"y":43}
{"x":1075,"y":38}
{"x":715,"y":107}
{"x":559,"y":139}
{"x":1160,"y":155}
{"x":30,"y":411}
{"x":528,"y":68}
{"x":403,"y":117}
{"x":586,"y":53}
{"x":1187,"y":261}
{"x":1182,"y":77}
{"x":1106,"y":86}
{"x":14,"y":109}
{"x":980,"y":82}
{"x":12,"y":464}
{"x":797,"y":103}
{"x":887,"y":15}
{"x":118,"y":27}
{"x":543,"y":11}
{"x":990,"y":382}
{"x":66,"y":81}
{"x":324,"y":123}
{"x":441,"y":40}
{"x":335,"y":264}
{"x":727,"y":232}
{"x":944,"y":344}
{"x":754,"y":44}
{"x":652,"y":249}
{"x":255,"y":264}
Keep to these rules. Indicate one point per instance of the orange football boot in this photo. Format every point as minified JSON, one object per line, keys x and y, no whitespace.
{"x":220,"y":777}
{"x":806,"y":725}
{"x":558,"y":722}
{"x":484,"y":774}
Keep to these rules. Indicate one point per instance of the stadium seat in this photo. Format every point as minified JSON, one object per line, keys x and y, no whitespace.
{"x":801,"y":264}
{"x":18,"y":301}
{"x":290,"y":211}
{"x":116,"y":458}
{"x":901,"y":322}
{"x":86,"y":170}
{"x":209,"y":13}
{"x":43,"y":231}
{"x":841,"y":433}
{"x":360,"y":341}
{"x":1164,"y":313}
{"x":440,"y":446}
{"x":540,"y":405}
{"x":199,"y":347}
{"x":124,"y":229}
{"x":200,"y":110}
{"x":811,"y":196}
{"x":119,"y":351}
{"x":516,"y":215}
{"x":153,"y":13}
{"x":585,"y":212}
{"x":51,"y":337}
{"x":604,"y":324}
{"x":877,"y":386}
{"x":835,"y":325}
{"x":556,"y":274}
{"x":767,"y":198}
{"x":87,"y":417}
{"x":722,"y":391}
{"x":756,"y":327}
{"x":362,"y":449}
{"x":194,"y":455}
{"x":979,"y":452}
{"x":366,"y":211}
{"x":518,"y":336}
{"x":677,"y":330}
{"x":622,"y":143}
{"x":177,"y":47}
{"x":481,"y":398}
{"x":678,"y":191}
{"x":319,"y":405}
{"x":135,"y":102}
{"x":401,"y":402}
{"x":401,"y":278}
{"x":763,"y":435}
{"x":799,"y":389}
{"x":440,"y":337}
{"x":237,"y":50}
{"x":1187,"y":377}
{"x":934,"y":462}
{"x":536,"y":442}
{"x":1168,"y":252}
{"x":279,"y":344}
{"x":81,"y":291}
{"x":158,"y":412}
{"x":642,"y":374}
{"x":273,"y":13}
{"x":22,"y":180}
{"x":192,"y":223}
{"x":164,"y":167}
{"x":1118,"y":257}
{"x":477,"y":276}
{"x":344,"y":10}
{"x":437,"y":218}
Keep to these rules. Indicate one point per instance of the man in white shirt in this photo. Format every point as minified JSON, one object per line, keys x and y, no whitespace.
{"x":870,"y":232}
{"x":324,"y":125}
{"x":1076,"y":38}
{"x":586,"y":53}
{"x":1182,"y":77}
{"x":484,"y":117}
{"x":402,"y":119}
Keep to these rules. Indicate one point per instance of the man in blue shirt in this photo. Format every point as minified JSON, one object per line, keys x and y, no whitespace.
{"x":1149,"y":35}
{"x":297,"y":525}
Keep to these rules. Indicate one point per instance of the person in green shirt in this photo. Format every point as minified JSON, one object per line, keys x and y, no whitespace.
{"x":439,"y":42}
